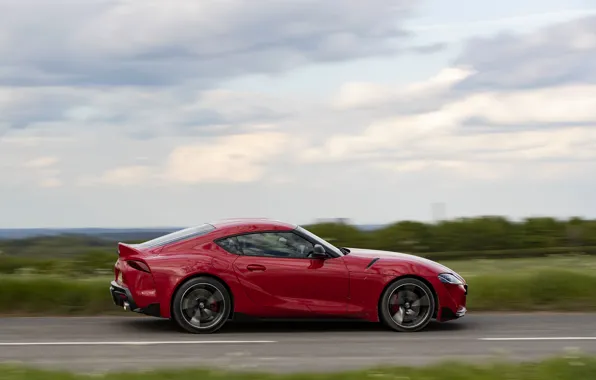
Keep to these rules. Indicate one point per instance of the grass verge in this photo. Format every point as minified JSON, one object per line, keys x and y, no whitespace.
{"x":476,"y":267}
{"x":538,"y":290}
{"x":578,"y":368}
{"x":54,"y":295}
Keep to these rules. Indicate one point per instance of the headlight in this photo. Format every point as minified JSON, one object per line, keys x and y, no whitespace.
{"x":448,"y":278}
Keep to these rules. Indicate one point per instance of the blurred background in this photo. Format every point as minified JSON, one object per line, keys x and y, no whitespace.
{"x":463,"y":131}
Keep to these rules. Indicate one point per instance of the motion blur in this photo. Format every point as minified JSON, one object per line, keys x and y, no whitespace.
{"x":432,"y":162}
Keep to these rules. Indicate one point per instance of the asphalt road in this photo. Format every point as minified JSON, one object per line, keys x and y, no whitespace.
{"x":133,"y":343}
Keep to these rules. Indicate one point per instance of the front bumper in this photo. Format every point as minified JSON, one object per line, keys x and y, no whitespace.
{"x":453,"y":302}
{"x":122,"y":297}
{"x":461,"y":312}
{"x":448,"y":314}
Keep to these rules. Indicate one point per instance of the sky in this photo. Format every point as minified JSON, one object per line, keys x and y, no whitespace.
{"x":149,"y":113}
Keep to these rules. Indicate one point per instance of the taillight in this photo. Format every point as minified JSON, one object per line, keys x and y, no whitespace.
{"x":138,"y":265}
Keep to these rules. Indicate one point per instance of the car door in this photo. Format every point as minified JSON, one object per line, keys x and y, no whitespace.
{"x":277,"y":274}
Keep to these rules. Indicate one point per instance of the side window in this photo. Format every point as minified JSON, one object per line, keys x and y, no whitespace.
{"x":231,"y":245}
{"x":275,"y":244}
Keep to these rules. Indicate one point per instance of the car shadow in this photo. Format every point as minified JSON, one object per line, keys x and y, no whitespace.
{"x":155,"y":325}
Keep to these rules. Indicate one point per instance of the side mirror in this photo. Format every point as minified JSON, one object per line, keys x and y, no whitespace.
{"x":319,"y":252}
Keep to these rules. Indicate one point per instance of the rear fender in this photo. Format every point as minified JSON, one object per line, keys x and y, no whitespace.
{"x":134,"y":272}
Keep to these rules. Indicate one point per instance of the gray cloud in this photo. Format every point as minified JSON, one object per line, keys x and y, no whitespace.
{"x":429,"y":49}
{"x":159,"y":42}
{"x":137,"y":113}
{"x":560,"y":54}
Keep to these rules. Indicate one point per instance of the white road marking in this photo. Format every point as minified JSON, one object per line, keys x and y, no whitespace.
{"x":137,"y":343}
{"x":541,"y":338}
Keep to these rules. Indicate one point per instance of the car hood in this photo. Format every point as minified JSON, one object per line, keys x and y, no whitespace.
{"x":370,"y":254}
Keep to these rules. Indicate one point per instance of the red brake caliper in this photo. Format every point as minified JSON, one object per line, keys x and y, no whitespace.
{"x":214,"y":306}
{"x":394,"y":305}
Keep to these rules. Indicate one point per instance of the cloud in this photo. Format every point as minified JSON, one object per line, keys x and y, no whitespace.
{"x":41,"y":162}
{"x":519,"y":20}
{"x":511,"y":106}
{"x":223,"y":136}
{"x":32,"y":141}
{"x":355,"y":95}
{"x":238,"y":158}
{"x":41,"y":170}
{"x":50,"y":183}
{"x":131,"y":96}
{"x":560,"y":54}
{"x":127,"y":175}
{"x":471,"y":134}
{"x":159,"y":42}
{"x":428,"y":49}
{"x":137,"y":112}
{"x":241,"y":158}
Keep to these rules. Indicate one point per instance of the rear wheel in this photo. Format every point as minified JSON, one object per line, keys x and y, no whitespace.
{"x":201,"y":305}
{"x":407,"y":305}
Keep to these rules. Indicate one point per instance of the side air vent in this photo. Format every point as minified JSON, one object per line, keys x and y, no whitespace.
{"x":372,"y":262}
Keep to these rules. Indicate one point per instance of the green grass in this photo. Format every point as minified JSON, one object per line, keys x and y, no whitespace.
{"x":84,"y":265}
{"x":476,"y":267}
{"x":539,"y":290}
{"x":546,"y":289}
{"x":54,"y":295}
{"x":566,"y":368}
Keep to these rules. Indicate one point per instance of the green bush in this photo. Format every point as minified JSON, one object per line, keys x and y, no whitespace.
{"x":54,"y":295}
{"x":15,"y":264}
{"x":88,"y":262}
{"x":489,"y":233}
{"x":573,"y":368}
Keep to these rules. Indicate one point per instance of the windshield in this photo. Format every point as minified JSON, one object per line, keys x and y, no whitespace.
{"x":320,"y":241}
{"x":183,"y":234}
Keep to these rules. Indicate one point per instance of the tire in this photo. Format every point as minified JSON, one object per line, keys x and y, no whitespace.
{"x":410,"y":299}
{"x":202,"y":305}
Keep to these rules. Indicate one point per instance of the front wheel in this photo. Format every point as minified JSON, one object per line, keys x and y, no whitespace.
{"x":201,"y":305}
{"x":407,"y":305}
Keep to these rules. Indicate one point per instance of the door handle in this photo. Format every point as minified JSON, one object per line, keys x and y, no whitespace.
{"x":255,"y":267}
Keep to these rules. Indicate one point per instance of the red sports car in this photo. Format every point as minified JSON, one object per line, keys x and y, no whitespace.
{"x":203,"y":276}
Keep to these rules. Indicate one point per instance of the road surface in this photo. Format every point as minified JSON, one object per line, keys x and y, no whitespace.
{"x":130,"y":343}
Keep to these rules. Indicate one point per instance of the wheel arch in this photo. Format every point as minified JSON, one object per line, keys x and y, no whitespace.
{"x":420,"y":278}
{"x":204,"y":274}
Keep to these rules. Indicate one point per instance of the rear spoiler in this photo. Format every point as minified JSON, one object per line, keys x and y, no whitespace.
{"x":127,"y":250}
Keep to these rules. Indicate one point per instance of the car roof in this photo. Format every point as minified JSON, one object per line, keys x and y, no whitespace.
{"x":251,"y":224}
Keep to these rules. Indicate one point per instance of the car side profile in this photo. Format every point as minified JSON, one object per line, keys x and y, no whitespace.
{"x":203,"y":276}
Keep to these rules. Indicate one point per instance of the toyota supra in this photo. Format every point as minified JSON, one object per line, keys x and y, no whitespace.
{"x":203,"y":276}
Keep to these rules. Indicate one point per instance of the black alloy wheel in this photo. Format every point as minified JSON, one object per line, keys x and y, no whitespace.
{"x":407,"y":305}
{"x":202,"y":305}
